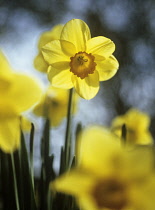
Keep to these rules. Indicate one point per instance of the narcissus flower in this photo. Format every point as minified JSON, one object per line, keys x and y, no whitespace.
{"x":54,"y":104}
{"x":108,"y":176}
{"x":137,"y":126}
{"x":18,"y":93}
{"x":77,"y":60}
{"x":39,"y":62}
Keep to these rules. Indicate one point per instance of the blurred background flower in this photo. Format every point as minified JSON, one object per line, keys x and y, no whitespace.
{"x":54,"y":104}
{"x":18,"y":93}
{"x":113,"y":179}
{"x":137,"y":127}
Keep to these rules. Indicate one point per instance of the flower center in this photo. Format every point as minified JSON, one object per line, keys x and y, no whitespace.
{"x":110,"y":194}
{"x":82,"y":64}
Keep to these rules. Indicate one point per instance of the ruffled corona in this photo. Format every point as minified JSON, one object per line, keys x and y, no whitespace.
{"x":110,"y":193}
{"x":82,"y":64}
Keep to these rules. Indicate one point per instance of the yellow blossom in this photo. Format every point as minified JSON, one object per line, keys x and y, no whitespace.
{"x":54,"y":104}
{"x":39,"y":62}
{"x":107,"y":176}
{"x":18,"y":93}
{"x":137,"y":126}
{"x":79,"y":61}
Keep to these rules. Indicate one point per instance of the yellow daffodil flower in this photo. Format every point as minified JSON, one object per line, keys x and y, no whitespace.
{"x":54,"y":104}
{"x":77,"y":60}
{"x":137,"y":127}
{"x":18,"y":93}
{"x":108,"y":176}
{"x":39,"y":62}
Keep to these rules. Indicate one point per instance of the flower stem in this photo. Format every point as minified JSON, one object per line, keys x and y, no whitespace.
{"x":124,"y":133}
{"x":68,"y":130}
{"x":31,"y":153}
{"x":15,"y":182}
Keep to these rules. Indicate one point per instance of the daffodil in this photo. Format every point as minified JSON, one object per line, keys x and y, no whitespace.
{"x":18,"y":93}
{"x":53,"y":105}
{"x":39,"y":62}
{"x":79,"y":61}
{"x":107,"y":176}
{"x":137,"y":127}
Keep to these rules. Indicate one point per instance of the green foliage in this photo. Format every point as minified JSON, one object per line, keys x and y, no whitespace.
{"x":19,"y":189}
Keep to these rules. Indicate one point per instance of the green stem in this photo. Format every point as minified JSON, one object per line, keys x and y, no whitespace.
{"x":124,"y":133}
{"x":68,"y":126}
{"x":31,"y":153}
{"x":15,"y":182}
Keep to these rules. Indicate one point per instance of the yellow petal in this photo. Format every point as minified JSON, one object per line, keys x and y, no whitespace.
{"x":88,"y":87}
{"x":40,"y":63}
{"x":68,"y":48}
{"x":76,"y":182}
{"x":9,"y":134}
{"x":46,"y":37}
{"x":29,"y":94}
{"x":23,"y":93}
{"x":145,"y":138}
{"x":95,"y":148}
{"x":101,"y":47}
{"x":77,"y":32}
{"x":60,"y":79}
{"x":51,"y":35}
{"x":107,"y":68}
{"x":53,"y":105}
{"x":53,"y":53}
{"x":141,"y":119}
{"x":133,"y":167}
{"x":87,"y":202}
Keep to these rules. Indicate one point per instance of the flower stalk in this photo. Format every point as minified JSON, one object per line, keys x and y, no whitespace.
{"x":68,"y":130}
{"x":15,"y":182}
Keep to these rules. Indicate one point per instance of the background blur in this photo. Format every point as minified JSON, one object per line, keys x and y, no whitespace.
{"x":130,"y":24}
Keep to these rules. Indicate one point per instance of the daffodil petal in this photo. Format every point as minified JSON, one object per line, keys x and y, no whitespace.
{"x":101,"y":47}
{"x":68,"y":48}
{"x":107,"y":68}
{"x":64,"y":65}
{"x":96,"y":144}
{"x":77,"y":32}
{"x":9,"y":134}
{"x":60,"y":79}
{"x":53,"y":52}
{"x":49,"y":36}
{"x":75,"y":182}
{"x":146,"y":139}
{"x":23,"y":93}
{"x":88,"y":87}
{"x":40,"y":63}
